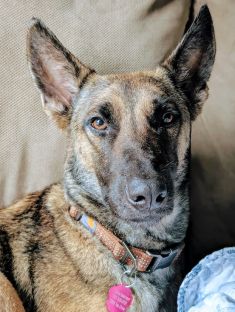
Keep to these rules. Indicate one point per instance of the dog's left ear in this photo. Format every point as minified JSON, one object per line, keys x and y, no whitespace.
{"x":191,"y":62}
{"x":59,"y":75}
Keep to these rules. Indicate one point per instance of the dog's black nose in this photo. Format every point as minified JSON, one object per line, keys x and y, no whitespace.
{"x":145,"y":194}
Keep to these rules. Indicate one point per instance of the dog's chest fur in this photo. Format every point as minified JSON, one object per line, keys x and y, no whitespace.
{"x":56,"y":265}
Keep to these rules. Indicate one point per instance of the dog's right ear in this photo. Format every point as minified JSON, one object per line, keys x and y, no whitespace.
{"x":58,"y":73}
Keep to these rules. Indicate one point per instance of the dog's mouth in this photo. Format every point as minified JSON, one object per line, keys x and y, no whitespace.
{"x":130,"y":214}
{"x":146,"y":219}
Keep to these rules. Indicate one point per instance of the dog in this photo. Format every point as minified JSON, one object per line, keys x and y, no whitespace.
{"x":110,"y":236}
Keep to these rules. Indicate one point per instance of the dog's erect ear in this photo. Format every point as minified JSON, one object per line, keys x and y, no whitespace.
{"x":191,"y":62}
{"x":58,"y":74}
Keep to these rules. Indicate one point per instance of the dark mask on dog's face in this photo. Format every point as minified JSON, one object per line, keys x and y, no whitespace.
{"x":129,"y":134}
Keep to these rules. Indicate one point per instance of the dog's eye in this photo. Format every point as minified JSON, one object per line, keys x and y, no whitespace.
{"x":98,"y":123}
{"x":168,"y":118}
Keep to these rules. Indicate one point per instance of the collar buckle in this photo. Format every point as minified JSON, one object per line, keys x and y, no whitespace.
{"x":128,"y":253}
{"x":163,"y":259}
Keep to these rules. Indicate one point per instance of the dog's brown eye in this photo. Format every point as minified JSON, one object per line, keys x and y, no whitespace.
{"x":99,"y":124}
{"x":168,"y":118}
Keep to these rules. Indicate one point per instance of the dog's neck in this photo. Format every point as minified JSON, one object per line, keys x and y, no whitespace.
{"x":140,"y":260}
{"x":73,"y":230}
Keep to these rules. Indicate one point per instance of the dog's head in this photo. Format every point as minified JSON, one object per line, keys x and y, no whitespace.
{"x":129,"y":134}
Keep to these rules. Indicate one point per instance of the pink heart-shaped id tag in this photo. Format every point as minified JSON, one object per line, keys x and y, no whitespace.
{"x":119,"y":298}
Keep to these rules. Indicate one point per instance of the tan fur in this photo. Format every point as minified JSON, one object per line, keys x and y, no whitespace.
{"x":9,"y":300}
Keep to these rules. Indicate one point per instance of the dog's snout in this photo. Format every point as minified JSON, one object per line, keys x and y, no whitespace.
{"x":145,"y":194}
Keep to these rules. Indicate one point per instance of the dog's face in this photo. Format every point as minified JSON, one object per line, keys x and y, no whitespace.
{"x":129,"y":134}
{"x":130,"y":140}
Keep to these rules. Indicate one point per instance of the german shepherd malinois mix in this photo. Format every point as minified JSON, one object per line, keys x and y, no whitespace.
{"x":108,"y":238}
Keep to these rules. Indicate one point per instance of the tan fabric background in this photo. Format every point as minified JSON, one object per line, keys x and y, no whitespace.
{"x":111,"y":36}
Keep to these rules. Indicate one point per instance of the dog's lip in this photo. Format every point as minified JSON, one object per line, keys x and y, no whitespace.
{"x":128,"y":213}
{"x":144,"y":218}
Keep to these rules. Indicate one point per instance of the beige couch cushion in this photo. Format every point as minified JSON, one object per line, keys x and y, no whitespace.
{"x":111,"y":36}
